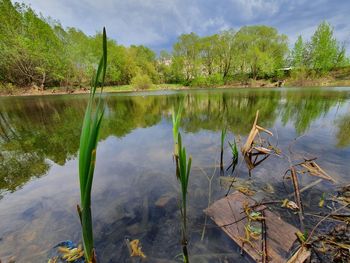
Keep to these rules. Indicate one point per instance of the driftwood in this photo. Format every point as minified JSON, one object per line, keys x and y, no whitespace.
{"x":229,"y":214}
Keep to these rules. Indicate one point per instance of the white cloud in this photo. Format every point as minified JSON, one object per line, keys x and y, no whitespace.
{"x":156,"y":23}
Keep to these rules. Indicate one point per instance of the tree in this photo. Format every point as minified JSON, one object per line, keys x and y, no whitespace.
{"x":261,"y":50}
{"x":208,"y":53}
{"x":186,"y":56}
{"x":298,"y":53}
{"x":226,"y":51}
{"x":325,"y":50}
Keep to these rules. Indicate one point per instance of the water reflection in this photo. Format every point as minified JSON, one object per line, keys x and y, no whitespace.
{"x":40,"y":136}
{"x":34,"y":130}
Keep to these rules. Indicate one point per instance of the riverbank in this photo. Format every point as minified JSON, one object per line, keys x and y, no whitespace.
{"x":324,"y":82}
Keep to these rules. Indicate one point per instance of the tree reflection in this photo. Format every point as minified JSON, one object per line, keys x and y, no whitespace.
{"x":37,"y":129}
{"x":343,"y":134}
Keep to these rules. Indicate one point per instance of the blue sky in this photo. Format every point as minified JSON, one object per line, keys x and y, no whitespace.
{"x":157,"y":23}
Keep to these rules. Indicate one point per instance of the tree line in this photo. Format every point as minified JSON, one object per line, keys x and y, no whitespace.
{"x":38,"y":51}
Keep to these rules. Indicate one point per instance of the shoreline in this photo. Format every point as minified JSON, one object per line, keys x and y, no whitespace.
{"x":162,"y":87}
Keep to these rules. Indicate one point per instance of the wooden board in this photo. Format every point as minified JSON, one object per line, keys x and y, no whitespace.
{"x":280,"y":235}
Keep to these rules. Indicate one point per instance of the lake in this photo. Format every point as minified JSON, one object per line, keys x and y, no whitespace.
{"x":135,"y":192}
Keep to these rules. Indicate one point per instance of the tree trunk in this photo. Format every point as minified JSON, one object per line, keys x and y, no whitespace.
{"x":42,"y":85}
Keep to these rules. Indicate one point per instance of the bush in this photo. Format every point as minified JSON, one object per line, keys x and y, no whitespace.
{"x":300,"y":74}
{"x":141,"y":81}
{"x":209,"y":81}
{"x":7,"y":88}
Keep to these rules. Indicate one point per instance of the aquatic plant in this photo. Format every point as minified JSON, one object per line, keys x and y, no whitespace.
{"x":223,"y":136}
{"x":184,"y":174}
{"x":176,"y":118}
{"x":234,"y":152}
{"x":87,"y":153}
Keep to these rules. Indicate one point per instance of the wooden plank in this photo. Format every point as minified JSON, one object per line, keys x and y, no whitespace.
{"x":280,"y":235}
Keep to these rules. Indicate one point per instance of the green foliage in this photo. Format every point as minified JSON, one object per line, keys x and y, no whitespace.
{"x":260,"y":49}
{"x":141,"y":82}
{"x":254,"y":50}
{"x":7,"y":88}
{"x":298,"y":53}
{"x":184,"y":167}
{"x":325,"y":50}
{"x":320,"y":55}
{"x":176,"y":119}
{"x":39,"y":52}
{"x":234,"y":152}
{"x":87,"y":153}
{"x":186,"y":56}
{"x":300,"y":74}
{"x":208,"y":81}
{"x":184,"y":175}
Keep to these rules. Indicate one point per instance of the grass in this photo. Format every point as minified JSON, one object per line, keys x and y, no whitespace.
{"x":87,"y":154}
{"x":130,"y":88}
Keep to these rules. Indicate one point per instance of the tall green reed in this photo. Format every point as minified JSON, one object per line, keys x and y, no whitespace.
{"x":183,"y":168}
{"x":176,"y":118}
{"x":87,"y":153}
{"x":184,"y":175}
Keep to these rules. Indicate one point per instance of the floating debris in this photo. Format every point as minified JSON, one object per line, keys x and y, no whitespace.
{"x":312,"y":168}
{"x":256,"y":146}
{"x":289,"y":204}
{"x":234,"y":215}
{"x":335,"y":245}
{"x":67,"y":251}
{"x":300,"y":256}
{"x":245,"y":190}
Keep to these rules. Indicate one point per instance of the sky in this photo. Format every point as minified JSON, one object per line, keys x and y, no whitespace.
{"x":158,"y":23}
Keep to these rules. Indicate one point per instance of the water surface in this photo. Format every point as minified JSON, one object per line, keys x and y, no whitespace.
{"x":135,"y":192}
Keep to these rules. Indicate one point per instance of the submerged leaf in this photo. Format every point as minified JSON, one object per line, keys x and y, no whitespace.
{"x":246,"y":191}
{"x":136,"y":249}
{"x":321,"y":203}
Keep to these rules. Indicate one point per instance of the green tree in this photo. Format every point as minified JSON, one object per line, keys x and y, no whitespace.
{"x":186,"y":62}
{"x":208,"y":53}
{"x":298,"y":53}
{"x":261,"y":50}
{"x":326,"y":52}
{"x":226,"y":51}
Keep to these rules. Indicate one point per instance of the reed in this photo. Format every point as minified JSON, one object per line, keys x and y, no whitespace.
{"x":223,"y":136}
{"x":87,"y":153}
{"x":176,"y":118}
{"x":184,"y":175}
{"x":234,"y":152}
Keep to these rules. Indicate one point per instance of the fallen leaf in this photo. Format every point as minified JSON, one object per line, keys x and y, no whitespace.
{"x":136,"y":249}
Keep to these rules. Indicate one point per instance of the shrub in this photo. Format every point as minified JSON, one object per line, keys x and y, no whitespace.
{"x":212,"y":80}
{"x":7,"y":88}
{"x":141,"y":81}
{"x":300,"y":74}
